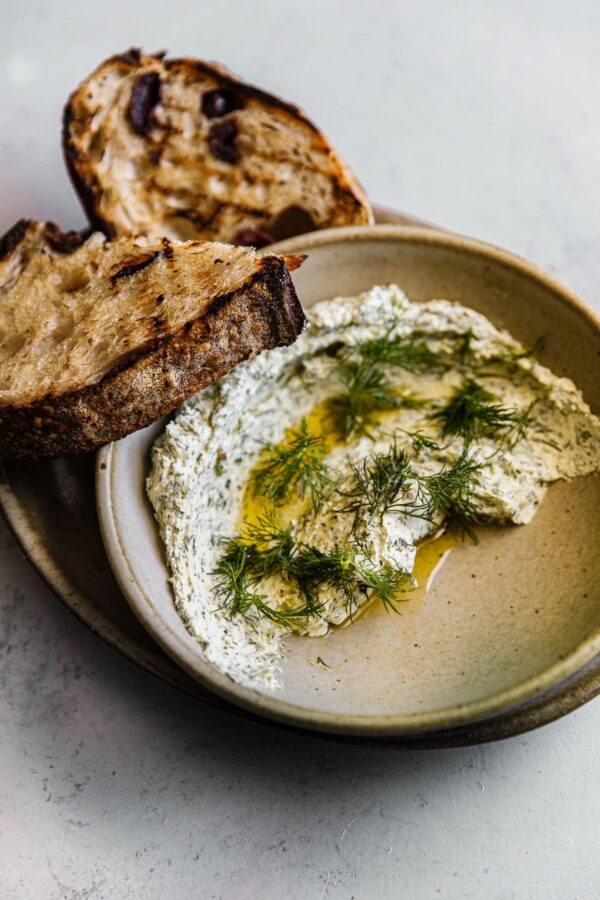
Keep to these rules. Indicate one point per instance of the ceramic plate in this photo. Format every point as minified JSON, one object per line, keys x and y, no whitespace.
{"x":504,"y":620}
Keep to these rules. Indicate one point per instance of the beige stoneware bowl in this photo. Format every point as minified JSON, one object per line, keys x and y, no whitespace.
{"x":503,"y":621}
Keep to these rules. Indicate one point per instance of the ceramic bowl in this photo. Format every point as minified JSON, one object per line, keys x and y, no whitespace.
{"x":504,"y":620}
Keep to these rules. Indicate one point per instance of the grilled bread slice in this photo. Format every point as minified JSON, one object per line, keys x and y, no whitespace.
{"x":99,"y":338}
{"x":183,"y":148}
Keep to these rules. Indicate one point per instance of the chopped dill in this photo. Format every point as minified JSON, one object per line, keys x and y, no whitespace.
{"x":319,"y":661}
{"x":513,"y":356}
{"x":472,"y":414}
{"x":299,"y":464}
{"x":465,"y":348}
{"x":380,"y":482}
{"x":367,"y":390}
{"x":220,"y":458}
{"x":402,"y":352}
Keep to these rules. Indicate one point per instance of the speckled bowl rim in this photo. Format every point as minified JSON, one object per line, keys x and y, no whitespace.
{"x":268,"y":705}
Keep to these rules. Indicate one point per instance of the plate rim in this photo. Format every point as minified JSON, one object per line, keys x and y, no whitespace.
{"x":268,"y":705}
{"x":545,"y":709}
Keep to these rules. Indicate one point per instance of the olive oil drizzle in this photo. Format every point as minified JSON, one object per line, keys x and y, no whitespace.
{"x":292,"y":480}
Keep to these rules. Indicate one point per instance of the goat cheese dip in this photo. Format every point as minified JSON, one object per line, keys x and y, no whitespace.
{"x":297,"y":488}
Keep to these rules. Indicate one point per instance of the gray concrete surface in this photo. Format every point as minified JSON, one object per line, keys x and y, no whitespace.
{"x":481,"y":116}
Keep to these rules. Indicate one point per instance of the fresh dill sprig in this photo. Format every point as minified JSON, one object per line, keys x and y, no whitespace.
{"x":347,"y":571}
{"x":420,"y":441}
{"x":232,"y":584}
{"x":367,"y":390}
{"x":385,"y":582}
{"x":296,"y":464}
{"x":237,"y":598}
{"x":386,"y":482}
{"x":272,"y":545}
{"x":448,"y":494}
{"x":472,"y":414}
{"x":381,"y":483}
{"x":264,"y":550}
{"x":401,"y":352}
{"x":267,"y":549}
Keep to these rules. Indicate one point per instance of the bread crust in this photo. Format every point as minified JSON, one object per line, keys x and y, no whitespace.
{"x":348,"y":204}
{"x":262,"y":314}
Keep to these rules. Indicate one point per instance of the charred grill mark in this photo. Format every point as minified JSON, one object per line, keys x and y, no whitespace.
{"x":196,"y":218}
{"x":128,"y":361}
{"x":65,"y":241}
{"x":68,"y":117}
{"x":245,"y":91}
{"x":201,"y":221}
{"x":144,"y":97}
{"x":13,"y":237}
{"x":89,"y":191}
{"x":222,"y":141}
{"x":136,"y":265}
{"x":217,"y":303}
{"x":167,"y":250}
{"x":219,"y":90}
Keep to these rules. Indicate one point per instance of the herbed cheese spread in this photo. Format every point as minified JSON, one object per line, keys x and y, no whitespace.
{"x":297,"y":488}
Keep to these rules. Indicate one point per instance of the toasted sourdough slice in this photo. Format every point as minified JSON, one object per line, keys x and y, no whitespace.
{"x":99,"y":338}
{"x":183,"y":148}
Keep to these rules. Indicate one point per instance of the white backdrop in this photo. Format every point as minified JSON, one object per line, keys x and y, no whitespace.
{"x":481,"y":116}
